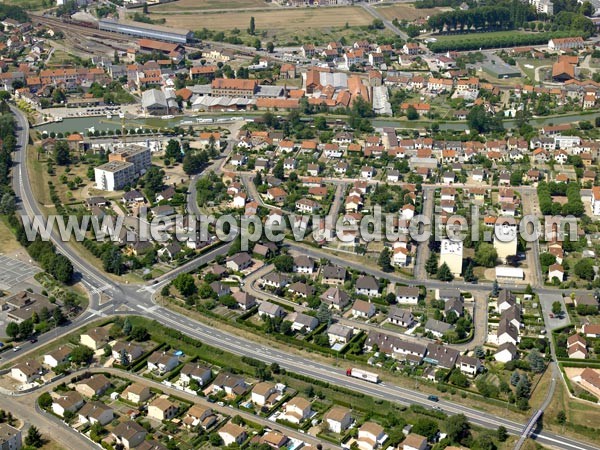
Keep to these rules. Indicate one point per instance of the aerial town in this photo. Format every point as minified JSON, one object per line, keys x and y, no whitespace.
{"x":300,"y":224}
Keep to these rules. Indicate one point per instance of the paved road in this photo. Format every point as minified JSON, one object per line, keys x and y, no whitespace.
{"x":140,"y":302}
{"x":423,"y":248}
{"x":388,"y":24}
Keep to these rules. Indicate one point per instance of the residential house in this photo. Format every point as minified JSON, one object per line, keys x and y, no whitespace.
{"x":333,"y":274}
{"x":363,"y":309}
{"x":95,"y":385}
{"x":27,"y":371}
{"x":129,"y":434}
{"x":338,"y":419}
{"x":58,"y":356}
{"x":506,"y":352}
{"x":231,"y":433}
{"x":199,"y":415}
{"x":162,"y":362}
{"x":303,"y":264}
{"x":136,"y":393}
{"x":367,"y":285}
{"x":469,"y":365}
{"x":437,"y":327}
{"x":231,"y":384}
{"x":297,"y":410}
{"x":407,"y":295}
{"x":401,"y":317}
{"x":370,"y":436}
{"x":335,"y":297}
{"x":194,"y":371}
{"x":95,"y":338}
{"x":162,"y":409}
{"x":271,"y":310}
{"x":304,"y":323}
{"x":264,"y":394}
{"x":67,"y":401}
{"x":414,"y":441}
{"x":339,"y":334}
{"x":239,"y":262}
{"x":96,"y":412}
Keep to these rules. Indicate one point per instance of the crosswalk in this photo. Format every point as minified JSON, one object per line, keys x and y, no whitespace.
{"x":99,"y":290}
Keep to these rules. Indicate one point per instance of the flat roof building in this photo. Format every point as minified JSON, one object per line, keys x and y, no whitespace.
{"x":143,"y":30}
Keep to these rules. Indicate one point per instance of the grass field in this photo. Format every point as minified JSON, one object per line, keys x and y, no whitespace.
{"x":478,"y":36}
{"x":27,"y":5}
{"x":404,"y":11}
{"x":290,"y":20}
{"x":182,"y":5}
{"x":8,"y":242}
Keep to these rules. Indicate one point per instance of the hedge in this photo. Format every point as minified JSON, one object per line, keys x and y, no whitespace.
{"x":510,"y":40}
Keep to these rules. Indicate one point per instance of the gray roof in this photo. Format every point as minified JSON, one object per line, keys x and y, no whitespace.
{"x":367,"y":282}
{"x":438,"y":326}
{"x":334,"y":272}
{"x":442,"y":355}
{"x":153,"y":97}
{"x":399,"y":314}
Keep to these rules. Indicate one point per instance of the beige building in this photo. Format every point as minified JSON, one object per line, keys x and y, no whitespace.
{"x":96,"y":338}
{"x":136,"y":393}
{"x":162,"y":409}
{"x":451,"y":253}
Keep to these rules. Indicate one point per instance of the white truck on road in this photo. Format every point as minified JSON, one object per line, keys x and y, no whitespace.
{"x":363,"y":375}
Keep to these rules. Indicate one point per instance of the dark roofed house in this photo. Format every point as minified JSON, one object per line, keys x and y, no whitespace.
{"x":367,"y":285}
{"x":301,"y":289}
{"x":335,"y":297}
{"x":333,"y":274}
{"x":401,"y":317}
{"x":441,"y":356}
{"x":239,"y":262}
{"x":437,"y":327}
{"x":270,"y":309}
{"x":130,"y":434}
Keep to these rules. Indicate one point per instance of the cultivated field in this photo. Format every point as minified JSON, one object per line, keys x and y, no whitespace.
{"x":288,"y":19}
{"x":405,"y":11}
{"x":182,"y":5}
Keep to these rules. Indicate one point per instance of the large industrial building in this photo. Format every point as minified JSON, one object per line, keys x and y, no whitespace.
{"x":143,"y":30}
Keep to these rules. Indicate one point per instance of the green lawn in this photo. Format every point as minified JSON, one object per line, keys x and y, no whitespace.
{"x":478,"y":36}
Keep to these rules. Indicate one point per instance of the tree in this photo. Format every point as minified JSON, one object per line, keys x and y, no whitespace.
{"x":81,"y":355}
{"x":284,"y":263}
{"x":411,"y":113}
{"x":502,"y":433}
{"x":252,"y":27}
{"x":469,"y":274}
{"x":561,"y":417}
{"x":34,"y":437}
{"x":62,"y":156}
{"x":127,"y":326}
{"x":184,"y":283}
{"x":481,"y":121}
{"x":278,"y":171}
{"x":140,"y":334}
{"x":173,"y":151}
{"x":495,"y":288}
{"x":584,"y":269}
{"x":59,"y":317}
{"x":486,"y":255}
{"x":556,"y":308}
{"x":457,"y":427}
{"x":112,"y":261}
{"x":270,"y":47}
{"x":523,"y":389}
{"x":426,"y":427}
{"x":26,"y":328}
{"x":444,"y":273}
{"x":12,"y":330}
{"x":153,"y":181}
{"x":45,"y":400}
{"x":431,"y":266}
{"x":536,"y":361}
{"x":385,"y":260}
{"x":7,"y":204}
{"x":62,"y":268}
{"x":323,"y":314}
{"x":514,"y":378}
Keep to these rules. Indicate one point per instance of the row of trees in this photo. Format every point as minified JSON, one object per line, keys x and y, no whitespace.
{"x":483,"y":18}
{"x":574,"y":206}
{"x":497,"y":41}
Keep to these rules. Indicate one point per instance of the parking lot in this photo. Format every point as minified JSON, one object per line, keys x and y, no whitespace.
{"x":13,"y":272}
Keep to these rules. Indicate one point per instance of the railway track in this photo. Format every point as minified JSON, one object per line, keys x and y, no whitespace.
{"x":81,"y":30}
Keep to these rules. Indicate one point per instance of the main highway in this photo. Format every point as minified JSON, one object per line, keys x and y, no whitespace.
{"x":123,"y":298}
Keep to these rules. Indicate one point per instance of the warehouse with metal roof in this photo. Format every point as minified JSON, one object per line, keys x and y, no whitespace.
{"x":144,"y":30}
